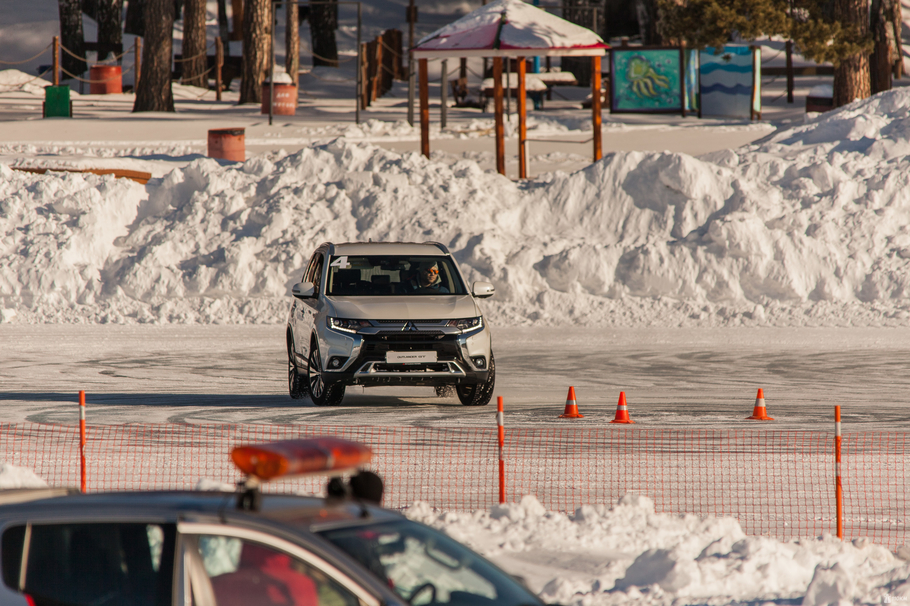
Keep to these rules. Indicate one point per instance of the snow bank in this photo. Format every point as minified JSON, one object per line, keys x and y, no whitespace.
{"x":13,"y":476}
{"x":629,"y":553}
{"x":810,"y":226}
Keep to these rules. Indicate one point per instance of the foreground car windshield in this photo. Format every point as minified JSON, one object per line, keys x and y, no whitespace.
{"x":428,"y":568}
{"x":378,"y":275}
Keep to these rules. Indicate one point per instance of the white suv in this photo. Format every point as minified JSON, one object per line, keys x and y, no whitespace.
{"x":388,"y":313}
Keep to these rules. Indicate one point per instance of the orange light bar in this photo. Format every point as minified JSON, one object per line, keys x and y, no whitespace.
{"x":298,"y":457}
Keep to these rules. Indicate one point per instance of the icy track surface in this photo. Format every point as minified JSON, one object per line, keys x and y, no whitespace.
{"x":808,"y":227}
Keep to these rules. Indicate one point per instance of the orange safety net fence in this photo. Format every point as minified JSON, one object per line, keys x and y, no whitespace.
{"x":775,"y":483}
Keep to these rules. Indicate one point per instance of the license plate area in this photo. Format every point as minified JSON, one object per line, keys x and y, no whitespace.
{"x":410,"y":357}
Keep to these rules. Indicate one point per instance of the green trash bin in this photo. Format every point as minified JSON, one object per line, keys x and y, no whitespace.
{"x":57,"y":102}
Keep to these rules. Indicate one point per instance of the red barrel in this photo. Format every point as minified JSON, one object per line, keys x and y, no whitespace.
{"x":285,"y":102}
{"x":227,"y":144}
{"x":105,"y":79}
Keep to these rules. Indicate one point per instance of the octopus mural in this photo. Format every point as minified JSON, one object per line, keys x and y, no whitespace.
{"x":643,"y":79}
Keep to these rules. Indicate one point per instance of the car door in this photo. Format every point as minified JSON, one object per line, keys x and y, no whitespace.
{"x":305,"y":310}
{"x":231,"y":566}
{"x":88,"y":563}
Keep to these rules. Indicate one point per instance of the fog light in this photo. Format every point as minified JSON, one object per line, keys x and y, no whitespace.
{"x":335,"y":362}
{"x":479,"y":361}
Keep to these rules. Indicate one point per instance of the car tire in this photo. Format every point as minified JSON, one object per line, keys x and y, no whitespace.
{"x":320,"y":393}
{"x":478,"y":394}
{"x":296,"y":383}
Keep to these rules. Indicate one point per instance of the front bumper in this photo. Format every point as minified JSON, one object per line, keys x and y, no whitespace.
{"x":460,"y":358}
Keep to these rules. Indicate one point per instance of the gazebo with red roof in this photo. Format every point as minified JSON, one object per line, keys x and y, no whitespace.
{"x":512,"y":29}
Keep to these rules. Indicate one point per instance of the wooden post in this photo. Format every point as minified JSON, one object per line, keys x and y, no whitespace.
{"x":219,"y":62}
{"x":138,"y":63}
{"x":549,"y":88}
{"x":497,"y":111}
{"x":377,"y":76}
{"x":789,"y":71}
{"x":522,"y":120}
{"x":595,"y":107}
{"x":463,"y":67}
{"x":56,"y":60}
{"x":364,"y":88}
{"x":237,"y":14}
{"x":443,"y":101}
{"x":424,"y":108}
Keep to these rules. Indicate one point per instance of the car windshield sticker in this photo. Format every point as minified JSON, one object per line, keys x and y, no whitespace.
{"x":341,"y":262}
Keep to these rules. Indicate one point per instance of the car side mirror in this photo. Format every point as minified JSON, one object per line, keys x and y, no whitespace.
{"x":483,"y":290}
{"x":303,"y":290}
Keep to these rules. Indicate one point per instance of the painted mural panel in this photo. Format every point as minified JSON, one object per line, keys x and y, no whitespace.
{"x":727,"y":80}
{"x":646,"y":80}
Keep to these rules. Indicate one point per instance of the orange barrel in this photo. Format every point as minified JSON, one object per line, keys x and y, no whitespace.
{"x":227,"y":144}
{"x":285,"y":102}
{"x":105,"y":79}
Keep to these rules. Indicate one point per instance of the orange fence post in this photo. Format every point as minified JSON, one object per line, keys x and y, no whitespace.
{"x":502,"y":440}
{"x":82,"y":482}
{"x":838,"y":486}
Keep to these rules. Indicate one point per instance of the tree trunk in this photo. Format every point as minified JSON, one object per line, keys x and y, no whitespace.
{"x":851,"y":77}
{"x":154,"y":91}
{"x":323,"y":23}
{"x":223,"y":31}
{"x":194,"y":52}
{"x":292,"y":43}
{"x":257,"y":37}
{"x":135,"y":22}
{"x":109,"y":15}
{"x":71,"y":36}
{"x":880,"y":63}
{"x":648,"y":17}
{"x":895,"y":25}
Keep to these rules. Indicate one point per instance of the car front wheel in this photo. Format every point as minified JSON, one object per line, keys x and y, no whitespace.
{"x":321,"y":393}
{"x":296,"y":384}
{"x":478,"y":394}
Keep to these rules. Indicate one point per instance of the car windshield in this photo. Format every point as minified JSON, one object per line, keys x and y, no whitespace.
{"x":387,"y":275}
{"x":427,"y":568}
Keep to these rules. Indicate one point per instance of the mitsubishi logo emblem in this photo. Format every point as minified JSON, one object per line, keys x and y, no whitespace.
{"x":409,"y":327}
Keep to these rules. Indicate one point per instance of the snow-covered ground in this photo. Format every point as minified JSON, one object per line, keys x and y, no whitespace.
{"x":798,"y":221}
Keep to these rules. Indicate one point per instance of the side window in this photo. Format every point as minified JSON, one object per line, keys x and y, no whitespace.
{"x":244,"y":573}
{"x":83,"y":564}
{"x":314,"y":273}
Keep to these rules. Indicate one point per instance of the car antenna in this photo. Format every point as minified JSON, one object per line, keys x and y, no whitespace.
{"x":249,"y":497}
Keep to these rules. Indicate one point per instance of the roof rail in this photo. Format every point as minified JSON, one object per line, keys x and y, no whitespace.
{"x":440,"y":246}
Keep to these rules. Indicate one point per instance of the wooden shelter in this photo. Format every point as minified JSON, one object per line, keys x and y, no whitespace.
{"x":510,"y":29}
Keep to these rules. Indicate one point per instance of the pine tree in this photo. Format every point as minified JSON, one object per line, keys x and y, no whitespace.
{"x":154,"y":91}
{"x":72,"y":37}
{"x":257,"y":37}
{"x":194,"y":44}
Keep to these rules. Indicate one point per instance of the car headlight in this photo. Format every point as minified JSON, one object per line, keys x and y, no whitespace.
{"x":465,"y":324}
{"x":346,"y":325}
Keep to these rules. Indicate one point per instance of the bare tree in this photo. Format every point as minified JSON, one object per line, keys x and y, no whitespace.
{"x":154,"y":91}
{"x":194,"y":44}
{"x":257,"y":37}
{"x":109,"y":15}
{"x":292,"y":42}
{"x":71,"y":35}
{"x":851,"y":74}
{"x":323,"y":18}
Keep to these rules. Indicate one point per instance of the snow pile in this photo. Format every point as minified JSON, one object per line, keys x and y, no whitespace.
{"x":15,"y":80}
{"x":809,"y":227}
{"x":13,"y":476}
{"x":629,"y":553}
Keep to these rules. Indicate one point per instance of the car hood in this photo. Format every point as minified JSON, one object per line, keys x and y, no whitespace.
{"x":444,"y":307}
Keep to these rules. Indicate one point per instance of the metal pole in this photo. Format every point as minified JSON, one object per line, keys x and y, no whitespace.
{"x":424,"y":109}
{"x":359,"y":85}
{"x":411,"y":74}
{"x":502,"y":441}
{"x":838,"y":485}
{"x":442,"y":94}
{"x":272,"y":63}
{"x":82,"y":479}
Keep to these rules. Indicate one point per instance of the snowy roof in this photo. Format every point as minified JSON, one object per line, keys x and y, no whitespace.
{"x":509,"y":28}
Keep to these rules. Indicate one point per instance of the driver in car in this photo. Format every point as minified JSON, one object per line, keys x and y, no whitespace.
{"x":427,"y":279}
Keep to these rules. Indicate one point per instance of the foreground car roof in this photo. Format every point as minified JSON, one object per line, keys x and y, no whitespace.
{"x":301,"y":510}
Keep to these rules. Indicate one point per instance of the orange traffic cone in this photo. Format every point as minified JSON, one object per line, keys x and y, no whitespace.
{"x":622,"y":411}
{"x":759,"y":413}
{"x":571,"y":407}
